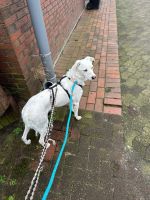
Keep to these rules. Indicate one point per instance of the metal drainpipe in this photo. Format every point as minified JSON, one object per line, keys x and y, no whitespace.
{"x":36,"y":14}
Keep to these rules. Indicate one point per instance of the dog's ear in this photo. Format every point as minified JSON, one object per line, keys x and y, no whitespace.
{"x":77,"y":64}
{"x":90,"y":58}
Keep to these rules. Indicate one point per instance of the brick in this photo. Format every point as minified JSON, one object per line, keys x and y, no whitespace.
{"x":113,"y":76}
{"x":26,"y":27}
{"x":112,"y":80}
{"x":93,"y":47}
{"x":22,"y":22}
{"x":58,"y":135}
{"x":99,"y":105}
{"x":112,"y":110}
{"x":7,"y":59}
{"x":96,"y":70}
{"x":102,"y":66}
{"x":100,"y":93}
{"x":10,"y":20}
{"x":101,"y":82}
{"x":113,"y":95}
{"x":12,"y":28}
{"x":117,"y":90}
{"x":112,"y":65}
{"x":113,"y":85}
{"x":101,"y":73}
{"x":22,"y":13}
{"x":86,"y":90}
{"x":50,"y":153}
{"x":88,"y":83}
{"x":111,"y":71}
{"x":103,"y":59}
{"x":90,"y":107}
{"x":103,"y":54}
{"x":91,"y":97}
{"x":112,"y":57}
{"x":97,"y":56}
{"x":83,"y":102}
{"x":93,"y":86}
{"x":6,"y":12}
{"x":112,"y":62}
{"x":110,"y":101}
{"x":17,"y":6}
{"x":15,"y":35}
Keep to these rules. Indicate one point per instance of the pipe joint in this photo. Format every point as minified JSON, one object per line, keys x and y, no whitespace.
{"x":45,"y":55}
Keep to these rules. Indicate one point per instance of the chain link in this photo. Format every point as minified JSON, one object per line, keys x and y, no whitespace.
{"x":35,"y":179}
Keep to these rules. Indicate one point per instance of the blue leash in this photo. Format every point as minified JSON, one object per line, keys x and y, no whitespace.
{"x":51,"y":180}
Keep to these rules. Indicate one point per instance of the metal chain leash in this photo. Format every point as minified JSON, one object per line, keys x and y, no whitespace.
{"x":35,"y":179}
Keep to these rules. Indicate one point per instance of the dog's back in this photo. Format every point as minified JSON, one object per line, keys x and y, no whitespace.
{"x":37,"y":105}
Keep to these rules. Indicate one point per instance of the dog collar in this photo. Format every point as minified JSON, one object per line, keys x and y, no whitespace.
{"x":59,"y":83}
{"x":77,"y":83}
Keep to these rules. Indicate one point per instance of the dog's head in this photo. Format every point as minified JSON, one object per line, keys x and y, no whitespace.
{"x":85,"y":68}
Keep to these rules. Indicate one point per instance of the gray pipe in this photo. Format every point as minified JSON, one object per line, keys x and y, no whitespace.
{"x":36,"y":14}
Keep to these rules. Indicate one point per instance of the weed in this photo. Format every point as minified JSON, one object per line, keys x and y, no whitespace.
{"x":12,"y":182}
{"x":17,"y":131}
{"x":6,"y":181}
{"x":107,"y":89}
{"x":11,"y":197}
{"x":2,"y":179}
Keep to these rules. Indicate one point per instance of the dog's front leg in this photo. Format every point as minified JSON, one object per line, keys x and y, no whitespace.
{"x":75,"y":110}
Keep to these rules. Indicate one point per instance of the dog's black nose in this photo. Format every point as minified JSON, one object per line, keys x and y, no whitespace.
{"x":93,"y":77}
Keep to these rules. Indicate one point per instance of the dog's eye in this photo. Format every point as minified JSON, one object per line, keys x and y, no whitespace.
{"x":85,"y":70}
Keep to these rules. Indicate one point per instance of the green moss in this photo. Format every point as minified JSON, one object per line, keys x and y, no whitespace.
{"x":7,"y":181}
{"x":131,"y":82}
{"x":60,"y":114}
{"x":9,"y":140}
{"x":107,"y":89}
{"x":129,"y":138}
{"x":21,"y":168}
{"x":12,"y":182}
{"x":146,"y":168}
{"x":142,"y":82}
{"x":17,"y":131}
{"x":87,"y":115}
{"x":11,"y":197}
{"x":128,"y":99}
{"x":2,"y":179}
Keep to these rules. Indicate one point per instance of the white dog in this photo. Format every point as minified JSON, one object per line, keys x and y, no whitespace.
{"x":35,"y":112}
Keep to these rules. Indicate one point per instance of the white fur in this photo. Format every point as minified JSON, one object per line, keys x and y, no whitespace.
{"x":35,"y":112}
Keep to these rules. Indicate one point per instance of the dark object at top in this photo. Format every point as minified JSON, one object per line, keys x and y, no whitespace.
{"x":93,"y":4}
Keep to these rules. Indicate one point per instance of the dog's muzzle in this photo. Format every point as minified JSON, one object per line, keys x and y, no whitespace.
{"x":93,"y":77}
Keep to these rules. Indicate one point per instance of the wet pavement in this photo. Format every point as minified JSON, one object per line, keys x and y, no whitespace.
{"x":134,"y":54}
{"x":107,"y":156}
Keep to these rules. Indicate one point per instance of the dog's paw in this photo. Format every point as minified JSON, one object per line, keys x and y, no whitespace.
{"x":26,"y":141}
{"x":48,"y":145}
{"x":78,"y":117}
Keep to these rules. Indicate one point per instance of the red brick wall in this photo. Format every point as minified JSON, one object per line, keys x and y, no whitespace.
{"x":18,"y":45}
{"x":11,"y":76}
